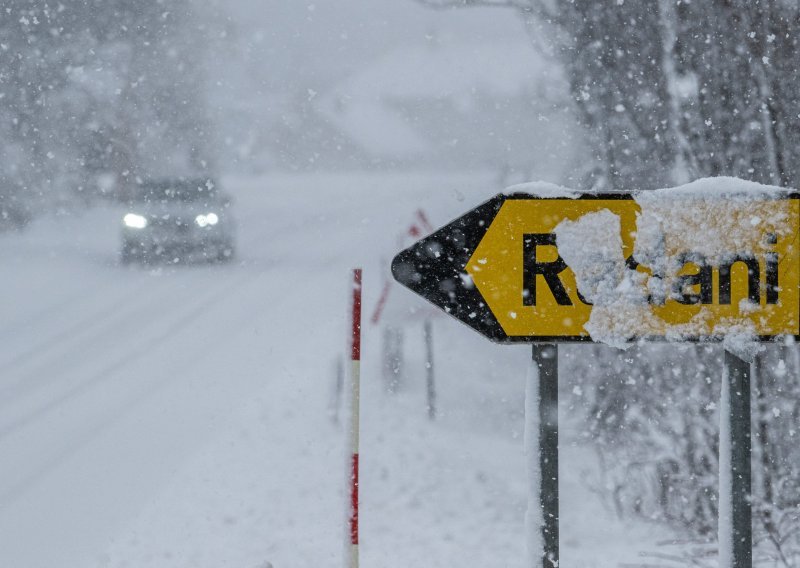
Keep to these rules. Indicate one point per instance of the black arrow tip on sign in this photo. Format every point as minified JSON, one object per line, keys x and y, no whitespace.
{"x":435,"y":268}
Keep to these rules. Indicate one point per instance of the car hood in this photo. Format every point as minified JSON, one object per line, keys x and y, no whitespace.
{"x":177,"y":210}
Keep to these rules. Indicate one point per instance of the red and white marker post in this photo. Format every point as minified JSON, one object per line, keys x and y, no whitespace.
{"x":355,"y":381}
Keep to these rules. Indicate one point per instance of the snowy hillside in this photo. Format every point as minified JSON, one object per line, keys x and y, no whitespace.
{"x":452,"y":103}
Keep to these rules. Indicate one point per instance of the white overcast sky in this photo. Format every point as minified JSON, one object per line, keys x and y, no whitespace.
{"x":311,"y":43}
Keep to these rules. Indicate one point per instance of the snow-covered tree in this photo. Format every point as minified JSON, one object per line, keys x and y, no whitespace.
{"x":672,"y":90}
{"x":98,"y":86}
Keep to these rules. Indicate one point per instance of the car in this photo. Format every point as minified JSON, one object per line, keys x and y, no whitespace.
{"x":177,"y":220}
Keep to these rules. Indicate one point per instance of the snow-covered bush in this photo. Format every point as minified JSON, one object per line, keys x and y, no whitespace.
{"x":652,"y":413}
{"x":95,"y":88}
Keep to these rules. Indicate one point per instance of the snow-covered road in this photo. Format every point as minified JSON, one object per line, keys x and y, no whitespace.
{"x":178,"y":416}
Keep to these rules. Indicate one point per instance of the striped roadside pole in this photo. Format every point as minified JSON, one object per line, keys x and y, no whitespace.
{"x":355,"y":376}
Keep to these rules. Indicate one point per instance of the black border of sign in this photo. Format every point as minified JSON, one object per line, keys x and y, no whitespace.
{"x":492,"y":206}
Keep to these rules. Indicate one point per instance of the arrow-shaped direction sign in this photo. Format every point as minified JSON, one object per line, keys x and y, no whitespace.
{"x":526,"y":268}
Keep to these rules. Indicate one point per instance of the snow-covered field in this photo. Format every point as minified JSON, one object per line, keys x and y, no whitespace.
{"x":180,"y":416}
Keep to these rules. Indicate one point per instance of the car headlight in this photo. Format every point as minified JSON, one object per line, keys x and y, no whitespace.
{"x":206,"y":220}
{"x":134,"y":221}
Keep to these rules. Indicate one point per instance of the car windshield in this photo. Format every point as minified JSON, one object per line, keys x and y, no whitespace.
{"x":185,"y":191}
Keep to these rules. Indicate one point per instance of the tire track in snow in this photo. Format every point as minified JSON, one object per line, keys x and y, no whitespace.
{"x":76,"y":329}
{"x":98,"y":428}
{"x":108,"y":371}
{"x":77,"y":298}
{"x":263,"y":235}
{"x":59,"y":351}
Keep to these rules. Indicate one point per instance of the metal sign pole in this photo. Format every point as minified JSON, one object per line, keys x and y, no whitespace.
{"x":545,"y":355}
{"x":431,"y":387}
{"x":736,"y":532}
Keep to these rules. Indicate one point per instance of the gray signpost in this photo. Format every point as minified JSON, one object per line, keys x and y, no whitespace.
{"x":429,"y":374}
{"x":738,"y":469}
{"x":545,"y":357}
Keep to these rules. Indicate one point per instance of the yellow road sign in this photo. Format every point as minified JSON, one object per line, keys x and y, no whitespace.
{"x":685,"y":266}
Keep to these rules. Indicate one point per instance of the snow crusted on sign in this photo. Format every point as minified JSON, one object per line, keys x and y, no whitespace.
{"x":713,"y":218}
{"x":709,"y":220}
{"x":721,"y":187}
{"x":592,"y":247}
{"x":542,"y":189}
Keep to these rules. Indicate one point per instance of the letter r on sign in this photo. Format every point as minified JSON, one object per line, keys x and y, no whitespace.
{"x":533,"y":267}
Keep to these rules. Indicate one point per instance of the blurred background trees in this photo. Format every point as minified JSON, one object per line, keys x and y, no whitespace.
{"x":671,"y":90}
{"x":96,"y":92}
